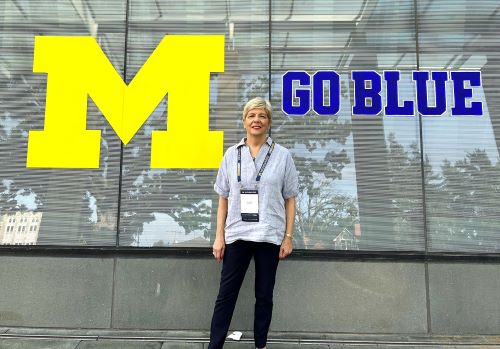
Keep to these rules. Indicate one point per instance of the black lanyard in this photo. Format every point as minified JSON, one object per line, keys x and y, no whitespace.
{"x":264,"y":164}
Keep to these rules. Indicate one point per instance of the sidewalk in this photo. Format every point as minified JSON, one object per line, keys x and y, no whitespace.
{"x":36,"y":338}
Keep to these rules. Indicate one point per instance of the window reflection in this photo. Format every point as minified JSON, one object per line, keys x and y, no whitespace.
{"x":361,"y":180}
{"x":79,"y":207}
{"x":462,"y":174}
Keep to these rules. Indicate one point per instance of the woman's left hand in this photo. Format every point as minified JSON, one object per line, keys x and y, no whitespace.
{"x":286,"y":248}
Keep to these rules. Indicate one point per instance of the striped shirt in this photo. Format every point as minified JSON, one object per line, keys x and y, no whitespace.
{"x":279,"y":181}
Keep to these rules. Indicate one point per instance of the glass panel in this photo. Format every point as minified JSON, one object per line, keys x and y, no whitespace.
{"x":178,"y":207}
{"x":360,"y":177}
{"x":361,"y":181}
{"x":54,"y":206}
{"x":462,"y":177}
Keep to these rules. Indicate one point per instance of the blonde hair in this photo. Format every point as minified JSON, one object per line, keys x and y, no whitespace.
{"x":258,"y":103}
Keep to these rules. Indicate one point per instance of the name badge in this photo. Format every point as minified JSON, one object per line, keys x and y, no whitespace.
{"x":249,"y":205}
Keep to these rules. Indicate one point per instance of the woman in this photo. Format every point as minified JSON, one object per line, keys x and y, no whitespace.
{"x":257,"y":184}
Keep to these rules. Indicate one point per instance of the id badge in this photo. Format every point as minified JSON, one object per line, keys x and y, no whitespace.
{"x":249,"y":205}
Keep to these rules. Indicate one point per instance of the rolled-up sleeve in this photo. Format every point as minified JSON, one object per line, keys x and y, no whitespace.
{"x":291,"y":181}
{"x":221,"y":185}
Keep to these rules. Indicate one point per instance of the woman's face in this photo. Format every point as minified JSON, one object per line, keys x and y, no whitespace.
{"x":256,"y":122}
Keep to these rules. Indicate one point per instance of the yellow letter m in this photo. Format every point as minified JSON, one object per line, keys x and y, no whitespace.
{"x":78,"y":68}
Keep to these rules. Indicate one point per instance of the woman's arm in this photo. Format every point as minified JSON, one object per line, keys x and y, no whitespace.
{"x":287,"y":244}
{"x":219,"y":243}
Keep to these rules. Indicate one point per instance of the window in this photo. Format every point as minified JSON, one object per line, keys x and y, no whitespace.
{"x":75,"y":200}
{"x":363,"y":180}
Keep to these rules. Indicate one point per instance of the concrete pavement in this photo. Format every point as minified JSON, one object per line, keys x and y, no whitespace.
{"x":40,"y":338}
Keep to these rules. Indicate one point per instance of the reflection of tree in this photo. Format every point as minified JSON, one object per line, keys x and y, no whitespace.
{"x":405,"y":183}
{"x":166,"y":191}
{"x":464,"y":204}
{"x":461,"y":199}
{"x":322,"y":214}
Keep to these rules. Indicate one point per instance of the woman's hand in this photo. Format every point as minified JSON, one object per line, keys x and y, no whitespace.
{"x":286,"y":247}
{"x":219,"y":243}
{"x":218,"y":248}
{"x":287,"y":243}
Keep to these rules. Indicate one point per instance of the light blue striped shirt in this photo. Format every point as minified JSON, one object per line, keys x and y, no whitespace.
{"x":279,"y":181}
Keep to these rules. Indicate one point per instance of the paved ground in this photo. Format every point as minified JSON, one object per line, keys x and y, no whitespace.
{"x":29,"y":338}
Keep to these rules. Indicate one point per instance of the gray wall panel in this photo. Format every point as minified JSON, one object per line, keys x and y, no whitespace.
{"x":55,"y":292}
{"x":316,"y":296}
{"x":179,"y":293}
{"x":357,"y":297}
{"x":465,"y":298}
{"x":165,"y":293}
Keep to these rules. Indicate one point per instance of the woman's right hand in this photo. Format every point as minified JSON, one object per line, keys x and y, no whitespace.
{"x":218,"y":248}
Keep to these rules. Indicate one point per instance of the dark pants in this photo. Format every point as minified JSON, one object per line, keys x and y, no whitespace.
{"x":237,"y":257}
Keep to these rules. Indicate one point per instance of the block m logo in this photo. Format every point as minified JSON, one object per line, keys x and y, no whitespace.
{"x":77,"y":68}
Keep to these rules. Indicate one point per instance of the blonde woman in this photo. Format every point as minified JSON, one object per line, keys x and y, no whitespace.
{"x":257,"y":184}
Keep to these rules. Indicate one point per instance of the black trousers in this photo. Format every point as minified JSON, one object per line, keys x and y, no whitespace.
{"x":237,"y":257}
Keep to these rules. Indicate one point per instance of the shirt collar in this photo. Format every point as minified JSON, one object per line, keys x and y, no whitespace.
{"x":269,"y":141}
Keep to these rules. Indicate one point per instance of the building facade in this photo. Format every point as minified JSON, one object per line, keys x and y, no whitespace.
{"x":397,"y":215}
{"x":20,"y":228}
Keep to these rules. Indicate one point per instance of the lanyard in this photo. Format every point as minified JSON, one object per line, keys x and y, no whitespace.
{"x":238,"y":168}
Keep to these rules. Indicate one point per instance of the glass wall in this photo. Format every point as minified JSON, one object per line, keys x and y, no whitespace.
{"x":72,"y":207}
{"x":372,"y":183}
{"x":360,"y":183}
{"x":462,"y":172}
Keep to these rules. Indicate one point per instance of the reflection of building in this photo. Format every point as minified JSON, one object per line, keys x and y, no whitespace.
{"x":346,"y":241}
{"x":20,"y":228}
